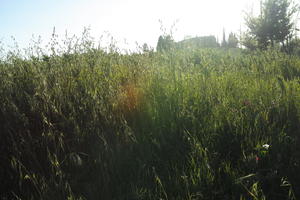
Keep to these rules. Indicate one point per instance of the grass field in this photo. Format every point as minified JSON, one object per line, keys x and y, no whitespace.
{"x":184,"y":124}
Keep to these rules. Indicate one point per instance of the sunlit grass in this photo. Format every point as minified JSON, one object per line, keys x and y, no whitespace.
{"x":184,"y":124}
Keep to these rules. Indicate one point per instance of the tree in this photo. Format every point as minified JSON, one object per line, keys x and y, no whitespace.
{"x":159,"y":46}
{"x":249,"y":42}
{"x":145,"y":48}
{"x":232,"y":41}
{"x":224,"y":43}
{"x":294,"y":46}
{"x":273,"y":25}
{"x":164,"y":43}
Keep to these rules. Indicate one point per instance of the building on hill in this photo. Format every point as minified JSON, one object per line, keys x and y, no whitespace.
{"x":166,"y":43}
{"x":199,"y":42}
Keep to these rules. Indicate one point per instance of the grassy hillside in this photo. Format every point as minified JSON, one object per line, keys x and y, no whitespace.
{"x":192,"y":124}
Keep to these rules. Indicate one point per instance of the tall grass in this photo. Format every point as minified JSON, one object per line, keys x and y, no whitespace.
{"x":184,"y":124}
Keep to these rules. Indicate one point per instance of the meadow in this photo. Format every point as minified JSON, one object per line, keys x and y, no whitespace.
{"x":184,"y":124}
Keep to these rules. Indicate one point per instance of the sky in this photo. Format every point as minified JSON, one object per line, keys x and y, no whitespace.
{"x":127,"y":21}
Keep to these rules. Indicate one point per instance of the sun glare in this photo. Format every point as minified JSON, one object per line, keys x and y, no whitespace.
{"x":133,"y":21}
{"x":138,"y":21}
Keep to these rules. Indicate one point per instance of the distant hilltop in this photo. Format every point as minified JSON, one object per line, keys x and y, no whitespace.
{"x":166,"y":42}
{"x":199,"y":42}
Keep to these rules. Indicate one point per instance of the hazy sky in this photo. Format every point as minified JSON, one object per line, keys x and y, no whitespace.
{"x":133,"y":20}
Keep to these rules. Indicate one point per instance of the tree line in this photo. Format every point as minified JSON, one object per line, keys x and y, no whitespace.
{"x":166,"y":42}
{"x":274,"y":27}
